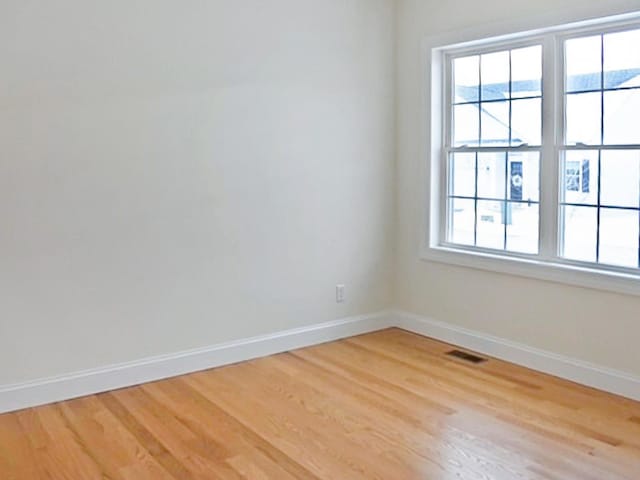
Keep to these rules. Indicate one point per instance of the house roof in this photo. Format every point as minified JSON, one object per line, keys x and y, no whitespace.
{"x":494,"y":127}
{"x":575,"y":83}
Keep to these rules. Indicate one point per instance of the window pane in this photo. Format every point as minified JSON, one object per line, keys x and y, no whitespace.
{"x":583,"y":118}
{"x":495,"y":123}
{"x":526,"y":72}
{"x":526,"y":122}
{"x":619,"y":237}
{"x":466,"y":125}
{"x":491,"y":175}
{"x":622,"y":59}
{"x":579,"y":177}
{"x":490,"y":227}
{"x":462,"y":221}
{"x":463,"y":174}
{"x":620,"y":178}
{"x":583,"y":57}
{"x":522,"y":227}
{"x":524,"y":176}
{"x":622,"y":116}
{"x":495,"y":75}
{"x":466,"y":73}
{"x":580,"y":233}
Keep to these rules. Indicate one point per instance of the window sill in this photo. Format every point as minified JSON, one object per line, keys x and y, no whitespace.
{"x":612,"y":281}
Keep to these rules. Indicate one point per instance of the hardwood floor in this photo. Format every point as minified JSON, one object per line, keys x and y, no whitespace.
{"x":387,"y":405}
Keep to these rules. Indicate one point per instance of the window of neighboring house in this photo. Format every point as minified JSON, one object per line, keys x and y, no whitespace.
{"x":541,"y":148}
{"x":577,"y":177}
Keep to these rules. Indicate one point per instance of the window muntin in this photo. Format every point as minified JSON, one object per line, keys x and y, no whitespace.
{"x":495,"y":150}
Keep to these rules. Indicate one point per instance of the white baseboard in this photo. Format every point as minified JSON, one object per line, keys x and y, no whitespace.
{"x":65,"y":387}
{"x":578,"y":371}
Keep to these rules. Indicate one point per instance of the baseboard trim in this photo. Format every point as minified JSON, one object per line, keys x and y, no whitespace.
{"x":65,"y":387}
{"x":601,"y":378}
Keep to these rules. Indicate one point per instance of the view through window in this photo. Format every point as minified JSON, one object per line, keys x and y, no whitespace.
{"x":495,"y":147}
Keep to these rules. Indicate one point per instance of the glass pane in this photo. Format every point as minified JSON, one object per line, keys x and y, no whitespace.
{"x":524,"y":176}
{"x":526,"y":125}
{"x":583,"y":118}
{"x":522,"y":227}
{"x":490,"y":227}
{"x":580,"y":177}
{"x":495,"y":75}
{"x":465,"y":125}
{"x":580,"y":233}
{"x":494,"y":123}
{"x":526,"y":71}
{"x":622,"y":116}
{"x":583,"y":57}
{"x":620,"y":178}
{"x":463,"y":175}
{"x":466,"y":73}
{"x":619,"y":237}
{"x":462,"y":221}
{"x":622,"y":59}
{"x":491,"y":175}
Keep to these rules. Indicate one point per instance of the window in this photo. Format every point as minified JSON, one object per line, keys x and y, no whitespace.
{"x":540,"y":151}
{"x":602,"y":92}
{"x":577,"y":177}
{"x":494,"y":165}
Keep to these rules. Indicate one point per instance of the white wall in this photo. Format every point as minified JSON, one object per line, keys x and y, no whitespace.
{"x":175,"y":174}
{"x":599,"y":327}
{"x":178,"y":174}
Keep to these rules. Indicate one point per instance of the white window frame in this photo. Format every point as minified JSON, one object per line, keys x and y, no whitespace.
{"x":547,"y":264}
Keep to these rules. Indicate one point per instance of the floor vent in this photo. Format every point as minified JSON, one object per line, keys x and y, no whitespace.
{"x":467,"y":357}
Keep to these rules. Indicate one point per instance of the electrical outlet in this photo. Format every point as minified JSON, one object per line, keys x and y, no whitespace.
{"x":339,"y":293}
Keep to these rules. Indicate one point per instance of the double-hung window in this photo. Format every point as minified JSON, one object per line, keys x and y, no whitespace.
{"x":538,"y":149}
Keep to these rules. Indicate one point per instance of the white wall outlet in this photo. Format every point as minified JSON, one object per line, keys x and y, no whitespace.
{"x":339,"y":293}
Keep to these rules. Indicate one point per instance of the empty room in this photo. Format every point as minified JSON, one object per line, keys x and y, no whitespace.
{"x":319,"y":239}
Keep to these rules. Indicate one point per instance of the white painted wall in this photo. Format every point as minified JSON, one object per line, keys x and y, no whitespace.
{"x":602,"y":328}
{"x":179,"y":174}
{"x":175,"y":174}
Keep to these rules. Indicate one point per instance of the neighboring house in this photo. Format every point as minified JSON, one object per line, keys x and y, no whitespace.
{"x":515,"y":177}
